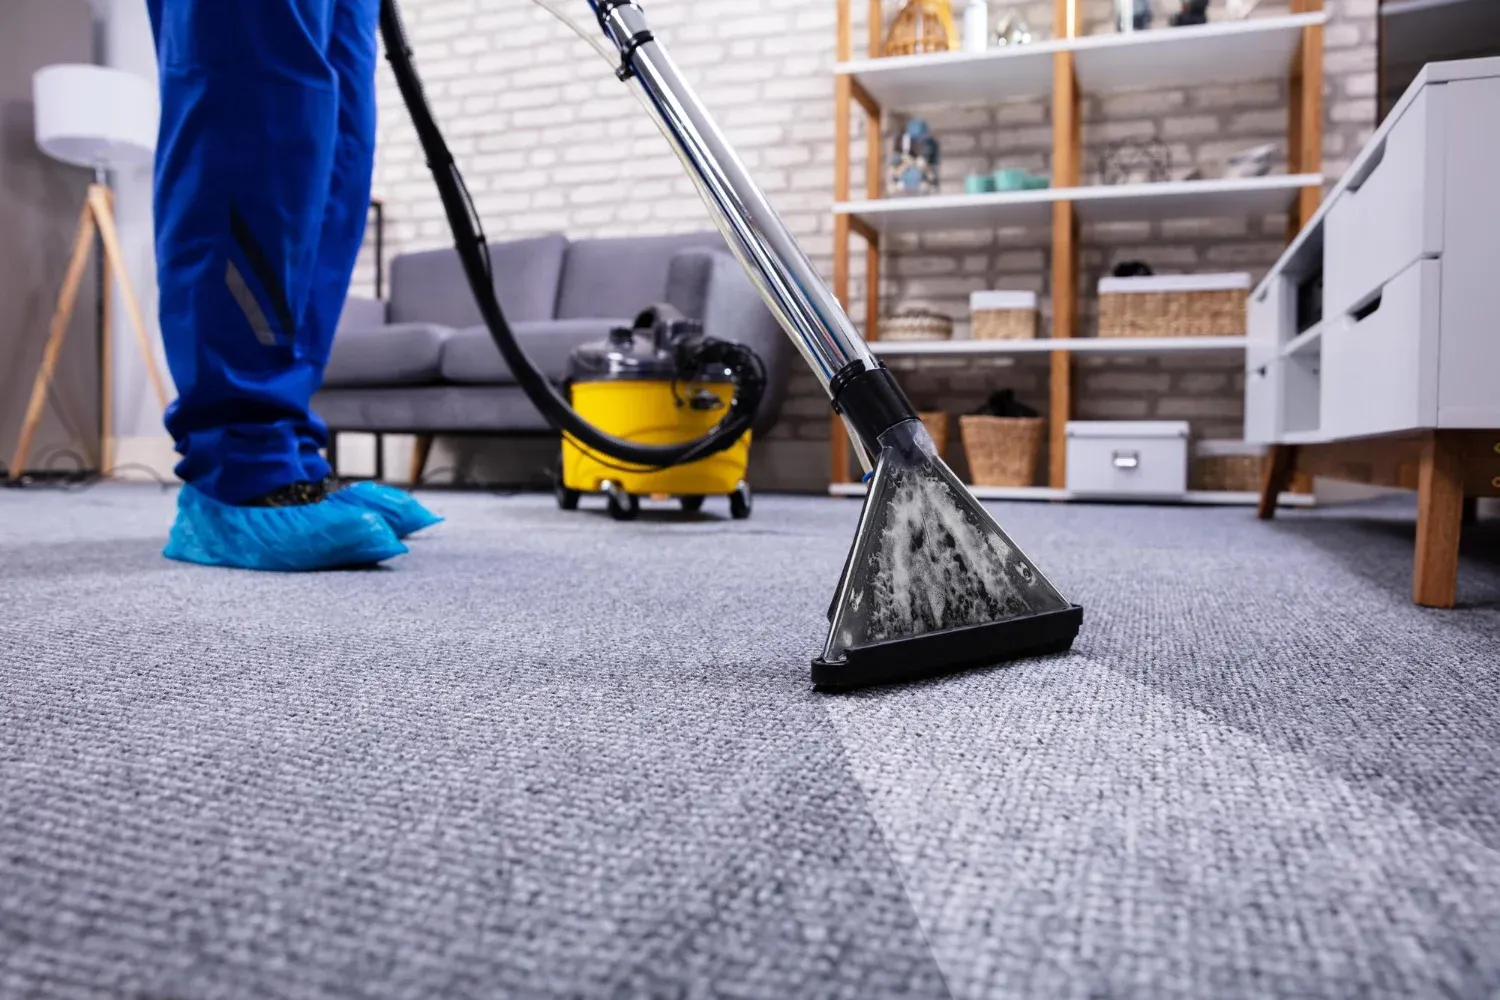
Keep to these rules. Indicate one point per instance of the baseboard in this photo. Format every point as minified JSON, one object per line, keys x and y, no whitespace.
{"x":146,"y":459}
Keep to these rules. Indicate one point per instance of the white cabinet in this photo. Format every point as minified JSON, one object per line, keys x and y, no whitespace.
{"x":1406,"y":250}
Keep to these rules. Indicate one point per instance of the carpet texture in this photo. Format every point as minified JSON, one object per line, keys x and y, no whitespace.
{"x":550,"y":755}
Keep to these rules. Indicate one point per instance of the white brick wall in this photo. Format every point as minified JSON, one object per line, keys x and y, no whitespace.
{"x":549,"y":140}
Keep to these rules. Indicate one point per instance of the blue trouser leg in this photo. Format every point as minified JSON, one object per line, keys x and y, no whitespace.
{"x":353,"y":53}
{"x":244,"y":175}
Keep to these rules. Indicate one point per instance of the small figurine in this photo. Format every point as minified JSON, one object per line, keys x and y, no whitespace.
{"x":1132,"y":15}
{"x":914,"y":162}
{"x":1193,"y":12}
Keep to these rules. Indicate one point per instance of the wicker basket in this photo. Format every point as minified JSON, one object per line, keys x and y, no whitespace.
{"x":1003,"y":451}
{"x":1003,"y":315}
{"x":1230,"y":473}
{"x":1231,"y":466}
{"x":921,"y":26}
{"x":916,"y":324}
{"x":1177,"y":305}
{"x":936,"y":423}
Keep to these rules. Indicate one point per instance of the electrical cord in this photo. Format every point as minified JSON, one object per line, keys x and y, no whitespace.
{"x":473,"y":252}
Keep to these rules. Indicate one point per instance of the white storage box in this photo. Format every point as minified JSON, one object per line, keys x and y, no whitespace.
{"x":1136,"y":459}
{"x":1002,"y":315}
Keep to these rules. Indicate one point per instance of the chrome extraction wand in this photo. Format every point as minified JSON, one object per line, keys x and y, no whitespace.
{"x":931,"y":582}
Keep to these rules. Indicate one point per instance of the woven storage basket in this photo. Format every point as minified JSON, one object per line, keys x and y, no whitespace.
{"x":936,"y":423}
{"x":1174,"y":305}
{"x":1003,"y":315}
{"x":921,"y":26}
{"x":1231,"y":473}
{"x":1003,"y":451}
{"x":1231,"y":466}
{"x":916,"y":324}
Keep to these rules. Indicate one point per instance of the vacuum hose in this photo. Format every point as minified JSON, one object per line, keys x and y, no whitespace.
{"x":473,"y":253}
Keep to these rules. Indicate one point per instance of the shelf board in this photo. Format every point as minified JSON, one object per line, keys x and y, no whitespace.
{"x":1302,"y":437}
{"x":1308,"y":340}
{"x":1230,"y":196}
{"x":1030,"y":209}
{"x":1197,"y":498}
{"x":1222,"y":52}
{"x":1202,"y":55}
{"x":1088,"y":345}
{"x":903,"y":83}
{"x":1239,"y":196}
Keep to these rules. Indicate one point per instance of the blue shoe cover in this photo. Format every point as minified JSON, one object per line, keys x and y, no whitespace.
{"x":402,"y":511}
{"x":286,"y":539}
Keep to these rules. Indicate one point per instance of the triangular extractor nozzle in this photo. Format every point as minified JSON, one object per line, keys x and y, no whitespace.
{"x":932,"y":582}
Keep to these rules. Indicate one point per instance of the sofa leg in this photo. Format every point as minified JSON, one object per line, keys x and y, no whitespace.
{"x":331,"y":453}
{"x":379,"y":457}
{"x":421,"y":448}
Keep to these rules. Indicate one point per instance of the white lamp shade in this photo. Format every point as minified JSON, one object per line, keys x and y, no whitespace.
{"x":94,"y":116}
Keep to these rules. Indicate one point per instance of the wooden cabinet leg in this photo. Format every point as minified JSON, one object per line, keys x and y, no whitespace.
{"x":421,"y":448}
{"x":1275,"y":478}
{"x":1440,"y":505}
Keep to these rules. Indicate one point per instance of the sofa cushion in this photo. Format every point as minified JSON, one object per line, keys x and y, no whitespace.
{"x":398,"y":354}
{"x":619,"y":277}
{"x":362,"y":313}
{"x":430,"y":286}
{"x":470,"y":356}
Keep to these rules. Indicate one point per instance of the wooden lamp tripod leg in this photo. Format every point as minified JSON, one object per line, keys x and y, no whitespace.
{"x":82,"y":243}
{"x":102,"y":203}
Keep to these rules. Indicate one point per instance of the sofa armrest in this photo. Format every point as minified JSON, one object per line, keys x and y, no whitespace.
{"x":710,"y":284}
{"x":362,"y":313}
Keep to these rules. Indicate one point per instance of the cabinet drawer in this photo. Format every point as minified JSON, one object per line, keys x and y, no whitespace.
{"x":1380,"y":363}
{"x":1119,"y":462}
{"x":1267,"y":315}
{"x":1262,"y":397}
{"x":1393,"y":214}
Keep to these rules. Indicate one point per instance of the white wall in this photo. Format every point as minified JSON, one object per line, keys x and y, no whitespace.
{"x":141,"y":438}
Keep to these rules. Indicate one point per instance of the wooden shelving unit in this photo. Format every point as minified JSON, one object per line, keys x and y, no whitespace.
{"x":1060,"y":70}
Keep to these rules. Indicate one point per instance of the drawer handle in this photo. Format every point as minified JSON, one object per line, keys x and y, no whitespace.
{"x":1127,"y":459}
{"x":1375,"y":159}
{"x":1370,"y":308}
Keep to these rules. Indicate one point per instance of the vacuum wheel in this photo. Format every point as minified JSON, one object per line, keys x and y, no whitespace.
{"x":739,"y":502}
{"x":692,"y":502}
{"x":623,"y":506}
{"x":566,"y":499}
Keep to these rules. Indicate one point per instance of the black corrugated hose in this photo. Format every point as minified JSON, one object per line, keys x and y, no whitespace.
{"x":473,"y":251}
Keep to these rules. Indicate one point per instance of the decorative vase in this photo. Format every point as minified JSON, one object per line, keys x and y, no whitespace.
{"x":921,"y":26}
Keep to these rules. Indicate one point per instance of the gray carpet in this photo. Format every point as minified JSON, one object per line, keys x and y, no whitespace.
{"x":550,"y":755}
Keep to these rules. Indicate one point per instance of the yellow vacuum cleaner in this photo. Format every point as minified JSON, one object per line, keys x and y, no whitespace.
{"x":659,"y":383}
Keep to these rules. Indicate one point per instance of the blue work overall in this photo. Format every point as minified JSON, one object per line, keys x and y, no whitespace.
{"x":261,"y":193}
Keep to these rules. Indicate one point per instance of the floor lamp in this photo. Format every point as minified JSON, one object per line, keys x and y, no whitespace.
{"x":102,"y":118}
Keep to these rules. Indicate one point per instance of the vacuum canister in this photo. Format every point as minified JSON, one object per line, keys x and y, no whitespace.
{"x":644,"y":385}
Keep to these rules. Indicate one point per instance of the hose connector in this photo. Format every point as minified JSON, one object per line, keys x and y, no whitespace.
{"x":870,"y":400}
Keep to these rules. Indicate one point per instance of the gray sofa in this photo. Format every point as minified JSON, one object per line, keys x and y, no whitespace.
{"x":423,"y":363}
